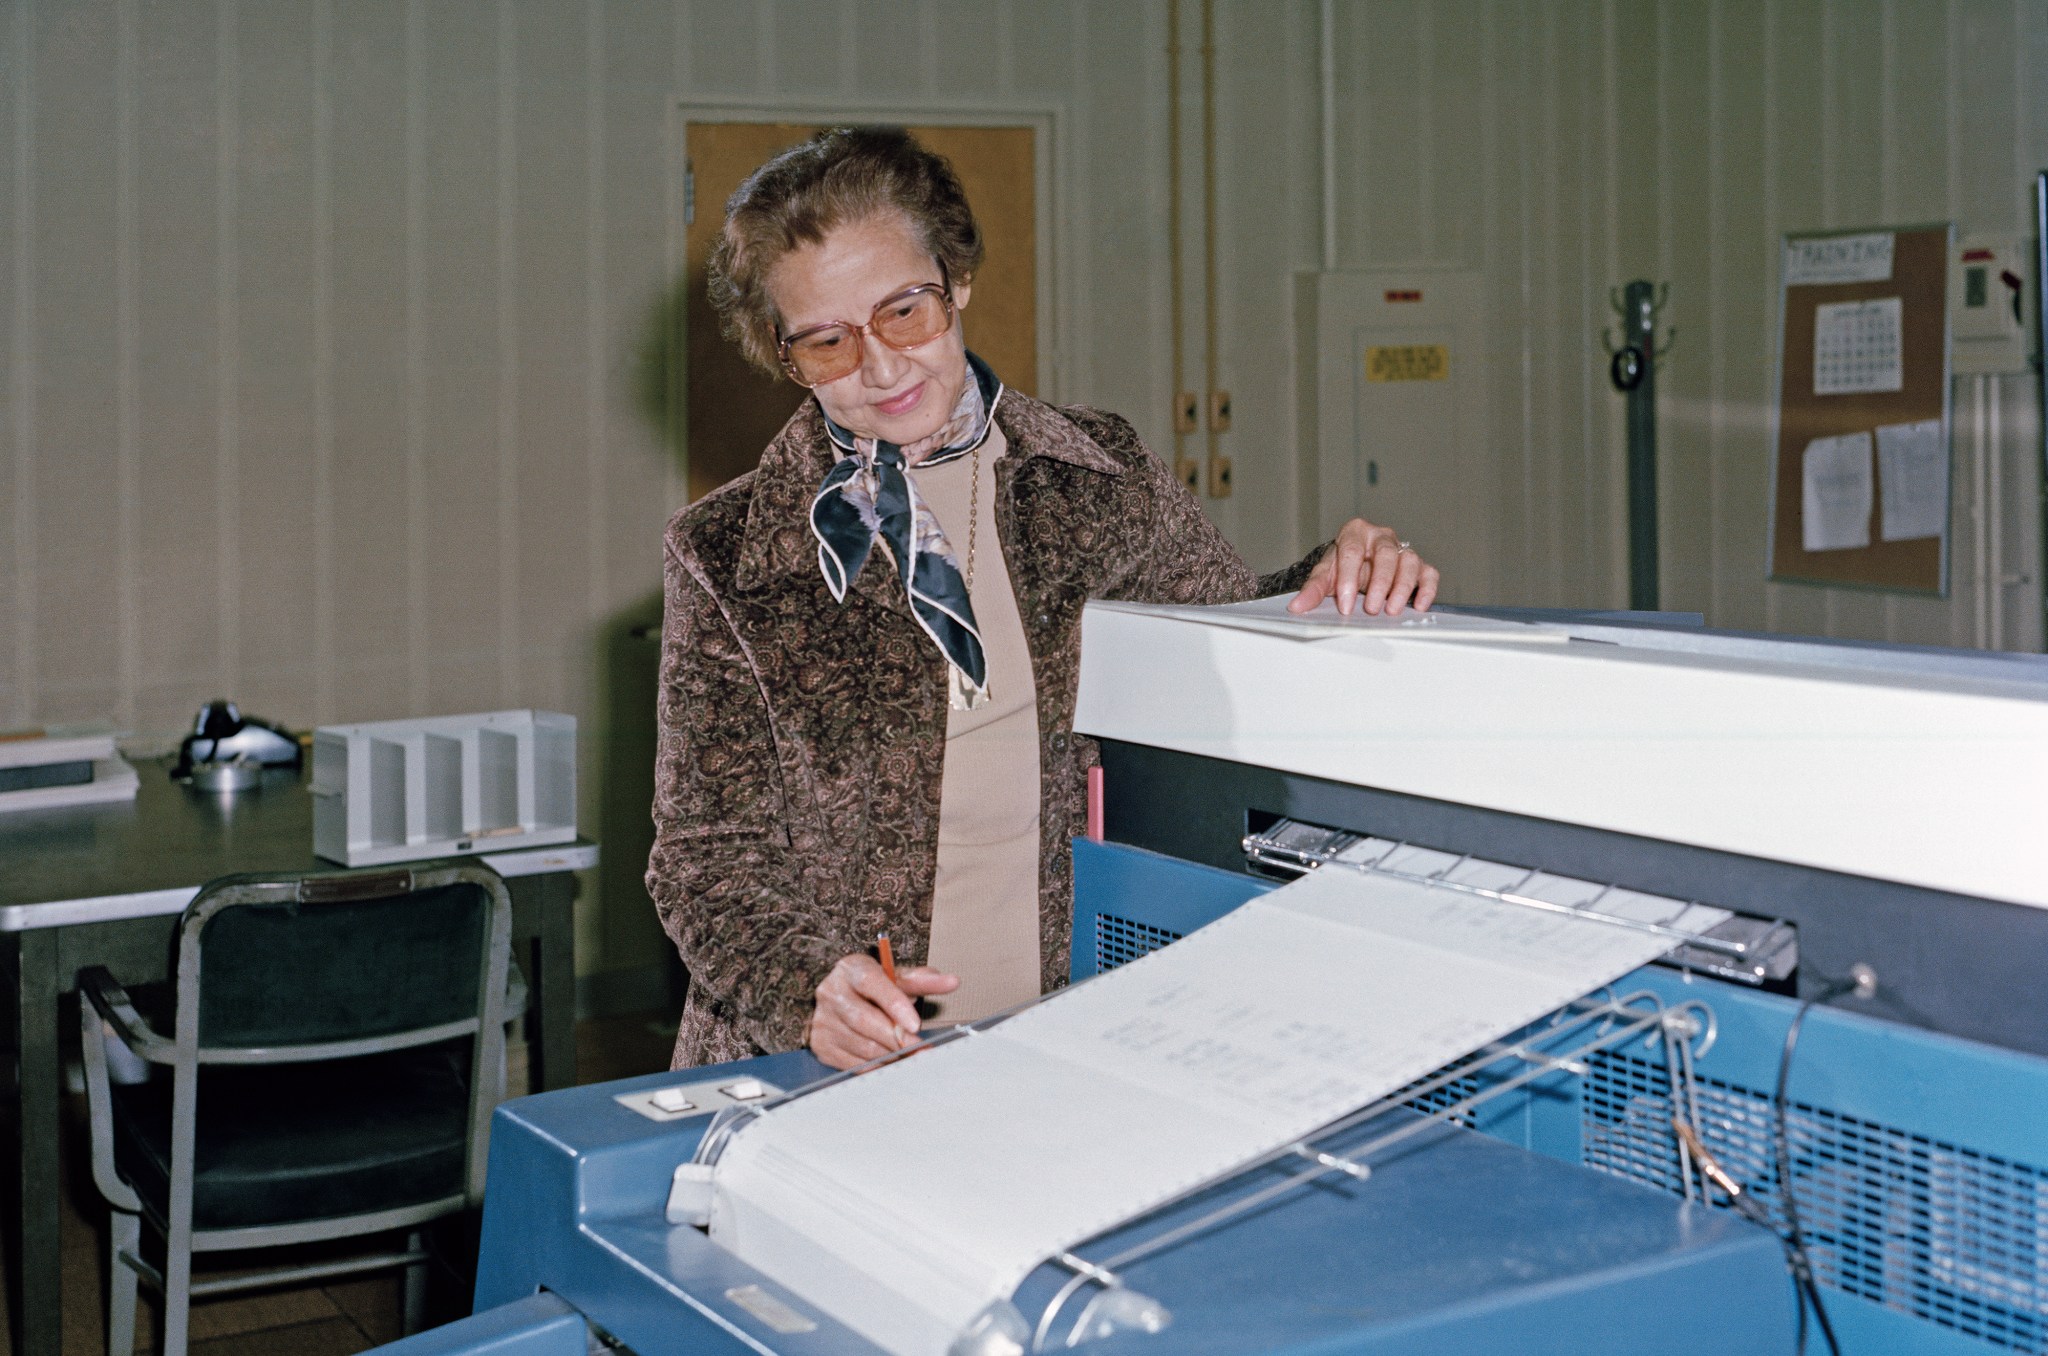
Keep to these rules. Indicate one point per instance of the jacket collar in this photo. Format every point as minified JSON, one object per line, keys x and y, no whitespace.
{"x":777,"y":541}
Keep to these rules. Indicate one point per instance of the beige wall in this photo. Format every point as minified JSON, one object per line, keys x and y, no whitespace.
{"x":1795,"y":116}
{"x":1561,"y":147}
{"x":326,"y":320}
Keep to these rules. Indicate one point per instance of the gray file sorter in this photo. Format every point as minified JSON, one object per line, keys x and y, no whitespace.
{"x":402,"y":790}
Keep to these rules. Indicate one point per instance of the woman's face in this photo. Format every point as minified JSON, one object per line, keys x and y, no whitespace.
{"x":898,"y":396}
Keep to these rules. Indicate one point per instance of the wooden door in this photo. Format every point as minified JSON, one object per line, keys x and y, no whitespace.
{"x":731,"y":411}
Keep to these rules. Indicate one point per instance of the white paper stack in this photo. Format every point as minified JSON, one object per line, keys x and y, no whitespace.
{"x":59,"y":751}
{"x":1270,"y":616}
{"x":905,"y":1201}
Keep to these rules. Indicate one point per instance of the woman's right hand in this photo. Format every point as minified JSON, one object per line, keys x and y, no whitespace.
{"x":860,"y":1015}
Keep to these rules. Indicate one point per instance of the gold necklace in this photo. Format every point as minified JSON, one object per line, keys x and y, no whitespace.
{"x":973,"y":519}
{"x":963,"y":695}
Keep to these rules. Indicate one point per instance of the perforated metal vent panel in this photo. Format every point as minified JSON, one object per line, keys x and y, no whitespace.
{"x":1945,"y":1233}
{"x":1445,"y":1097}
{"x":1120,"y":940}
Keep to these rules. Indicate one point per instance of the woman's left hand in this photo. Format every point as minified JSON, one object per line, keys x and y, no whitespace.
{"x":1371,"y":566}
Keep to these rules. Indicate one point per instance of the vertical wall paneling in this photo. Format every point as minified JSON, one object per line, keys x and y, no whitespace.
{"x":178,"y":598}
{"x":325,"y":686}
{"x":460,"y":342}
{"x":1755,"y":254}
{"x":1637,"y":211}
{"x":884,"y":41}
{"x":802,"y":47}
{"x":1607,"y":535}
{"x":1797,"y":196}
{"x":18,"y":695}
{"x":1063,"y":274}
{"x":1235,"y":50}
{"x":596,"y":323}
{"x":1555,"y":296}
{"x":639,"y":95}
{"x":554,"y":502}
{"x":1715,"y":177}
{"x":372,"y":391}
{"x":1522,"y":527}
{"x":417,"y":631}
{"x":76,"y":317}
{"x":1923,"y":179}
{"x":1507,"y":350}
{"x":1684,"y":483}
{"x":727,"y":57}
{"x":2019,"y":588}
{"x":16,"y":109}
{"x":512,"y":666}
{"x":1746,"y":272}
{"x":1860,"y":139}
{"x":674,"y":477}
{"x":127,"y":358}
{"x":1588,"y":302}
{"x":1765,"y":256}
{"x":640,"y":177}
{"x":227,"y":342}
{"x":272,"y":244}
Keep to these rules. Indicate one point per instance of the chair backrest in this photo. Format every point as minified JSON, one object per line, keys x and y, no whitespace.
{"x":350,"y":960}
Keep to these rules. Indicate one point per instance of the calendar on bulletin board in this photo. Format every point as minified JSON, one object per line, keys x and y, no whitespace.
{"x":1861,"y":480}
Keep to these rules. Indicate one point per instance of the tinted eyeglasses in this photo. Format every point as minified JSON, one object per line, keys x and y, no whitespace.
{"x":916,"y":315}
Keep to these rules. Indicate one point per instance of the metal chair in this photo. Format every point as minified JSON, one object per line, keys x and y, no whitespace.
{"x":324,"y":1066}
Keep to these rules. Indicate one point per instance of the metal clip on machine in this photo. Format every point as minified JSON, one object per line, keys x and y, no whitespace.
{"x":1818,"y":1113}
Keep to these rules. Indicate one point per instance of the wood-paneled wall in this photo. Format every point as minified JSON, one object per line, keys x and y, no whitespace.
{"x":327,"y":321}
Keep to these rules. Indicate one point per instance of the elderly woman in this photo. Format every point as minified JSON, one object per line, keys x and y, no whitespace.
{"x":872,"y":642}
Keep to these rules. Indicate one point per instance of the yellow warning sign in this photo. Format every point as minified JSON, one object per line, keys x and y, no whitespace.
{"x":1407,"y":362}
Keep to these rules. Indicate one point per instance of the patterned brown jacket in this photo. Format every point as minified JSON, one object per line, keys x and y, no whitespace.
{"x":796,"y":801}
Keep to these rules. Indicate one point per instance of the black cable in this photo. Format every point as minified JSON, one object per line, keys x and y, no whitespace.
{"x":1795,"y":1236}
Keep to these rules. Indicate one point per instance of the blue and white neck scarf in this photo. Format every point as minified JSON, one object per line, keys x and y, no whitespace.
{"x":867,"y":493}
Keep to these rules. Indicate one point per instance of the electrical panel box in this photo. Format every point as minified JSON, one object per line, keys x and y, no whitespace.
{"x":403,"y":790}
{"x":1392,"y":396}
{"x":1991,"y":305}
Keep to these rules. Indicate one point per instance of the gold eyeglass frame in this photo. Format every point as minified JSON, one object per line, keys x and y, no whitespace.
{"x":942,"y":289}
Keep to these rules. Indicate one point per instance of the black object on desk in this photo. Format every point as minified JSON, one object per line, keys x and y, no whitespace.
{"x":221,"y":734}
{"x":104,"y":885}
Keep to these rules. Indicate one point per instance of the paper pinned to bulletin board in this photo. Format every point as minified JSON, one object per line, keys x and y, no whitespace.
{"x":1861,"y":481}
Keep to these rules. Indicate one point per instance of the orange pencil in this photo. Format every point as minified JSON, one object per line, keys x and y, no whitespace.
{"x":888,"y":959}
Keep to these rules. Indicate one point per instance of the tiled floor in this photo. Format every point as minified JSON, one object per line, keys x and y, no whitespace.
{"x":308,"y":1320}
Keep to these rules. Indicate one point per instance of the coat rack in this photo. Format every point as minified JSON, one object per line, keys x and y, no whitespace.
{"x":1633,"y":367}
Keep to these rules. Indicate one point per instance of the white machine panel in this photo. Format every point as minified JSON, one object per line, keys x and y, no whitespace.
{"x":1926,"y":780}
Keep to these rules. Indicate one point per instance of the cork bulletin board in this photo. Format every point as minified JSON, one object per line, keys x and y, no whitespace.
{"x":1861,"y":472}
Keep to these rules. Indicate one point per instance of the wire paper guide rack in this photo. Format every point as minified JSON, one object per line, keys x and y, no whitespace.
{"x":1733,"y":946}
{"x":1560,"y":1046}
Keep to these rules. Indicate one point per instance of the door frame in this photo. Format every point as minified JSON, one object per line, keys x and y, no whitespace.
{"x":1051,"y":242}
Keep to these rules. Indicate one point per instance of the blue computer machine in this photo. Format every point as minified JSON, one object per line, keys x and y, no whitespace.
{"x":1859,"y":1055}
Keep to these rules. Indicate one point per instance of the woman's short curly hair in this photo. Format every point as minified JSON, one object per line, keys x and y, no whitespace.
{"x":840,"y":175}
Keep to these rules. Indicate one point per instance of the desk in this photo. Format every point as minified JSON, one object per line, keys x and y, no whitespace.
{"x":105,"y":884}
